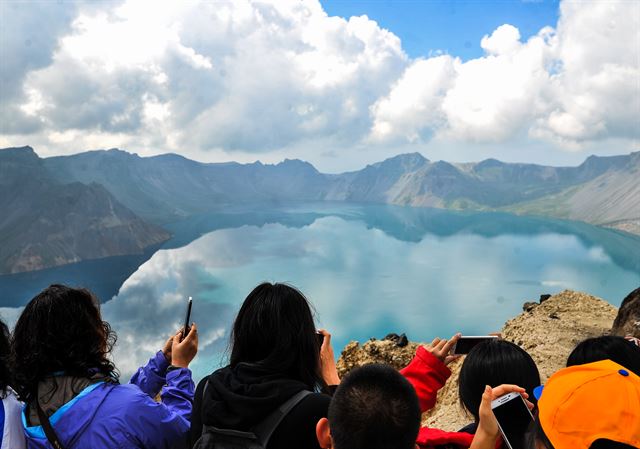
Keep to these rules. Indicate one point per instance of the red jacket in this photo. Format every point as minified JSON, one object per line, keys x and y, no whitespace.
{"x":428,"y":374}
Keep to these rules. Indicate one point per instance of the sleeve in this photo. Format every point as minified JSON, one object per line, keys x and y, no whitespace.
{"x":151,"y":377}
{"x":196,"y":415}
{"x":427,"y":374}
{"x":164,"y":425}
{"x":428,"y":438}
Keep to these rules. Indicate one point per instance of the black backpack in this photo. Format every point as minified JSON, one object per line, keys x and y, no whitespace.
{"x":258,"y":438}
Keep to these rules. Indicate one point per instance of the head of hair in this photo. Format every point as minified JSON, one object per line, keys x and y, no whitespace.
{"x":539,"y":439}
{"x":274,"y":329}
{"x":610,"y":347}
{"x":5,"y":372}
{"x":495,"y":362}
{"x":374,"y":407}
{"x":60,"y":330}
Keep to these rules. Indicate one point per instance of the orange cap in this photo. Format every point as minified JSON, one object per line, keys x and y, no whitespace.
{"x":588,"y":402}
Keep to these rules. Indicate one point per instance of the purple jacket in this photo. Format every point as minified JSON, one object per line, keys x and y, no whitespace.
{"x":108,"y":416}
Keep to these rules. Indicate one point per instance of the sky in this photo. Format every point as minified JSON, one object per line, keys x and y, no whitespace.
{"x":338,"y":83}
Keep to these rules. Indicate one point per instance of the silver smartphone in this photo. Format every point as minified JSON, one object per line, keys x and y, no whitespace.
{"x":514,"y":419}
{"x":467,"y":342}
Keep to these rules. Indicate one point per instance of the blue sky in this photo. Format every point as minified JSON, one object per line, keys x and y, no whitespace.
{"x":452,"y":26}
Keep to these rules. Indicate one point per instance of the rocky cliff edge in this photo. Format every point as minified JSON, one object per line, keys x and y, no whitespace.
{"x":548,"y":330}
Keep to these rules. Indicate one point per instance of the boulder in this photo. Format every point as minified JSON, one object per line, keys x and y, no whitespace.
{"x":627,"y":321}
{"x":529,"y":306}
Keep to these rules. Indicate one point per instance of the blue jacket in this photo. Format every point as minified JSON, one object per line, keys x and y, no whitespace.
{"x":110,"y":416}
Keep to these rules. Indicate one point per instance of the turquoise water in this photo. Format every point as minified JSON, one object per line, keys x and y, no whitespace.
{"x":368,"y":270}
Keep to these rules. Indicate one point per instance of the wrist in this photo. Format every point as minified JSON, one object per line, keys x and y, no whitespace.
{"x":331,"y":379}
{"x":179,"y":364}
{"x":483,"y":439}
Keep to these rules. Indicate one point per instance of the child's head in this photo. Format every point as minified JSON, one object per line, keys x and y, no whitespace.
{"x":374,"y":407}
{"x":595,"y":405}
{"x":621,"y":351}
{"x":493,"y":363}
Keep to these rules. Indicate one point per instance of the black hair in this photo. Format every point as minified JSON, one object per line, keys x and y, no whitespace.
{"x":614,"y":348}
{"x":538,"y":437}
{"x":495,"y":362}
{"x":374,"y":407}
{"x":60,"y":330}
{"x":275,"y":329}
{"x":5,"y":348}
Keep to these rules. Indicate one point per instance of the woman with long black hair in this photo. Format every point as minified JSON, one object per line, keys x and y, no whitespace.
{"x":276,"y":355}
{"x":62,"y":370}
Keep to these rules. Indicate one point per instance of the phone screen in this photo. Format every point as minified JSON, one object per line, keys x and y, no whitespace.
{"x":514,"y":419}
{"x":465,"y":344}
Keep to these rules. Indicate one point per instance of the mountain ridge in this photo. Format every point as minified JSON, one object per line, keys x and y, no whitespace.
{"x":159,"y":189}
{"x":47,"y":223}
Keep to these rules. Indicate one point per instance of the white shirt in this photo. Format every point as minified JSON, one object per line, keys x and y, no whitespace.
{"x":12,"y":433}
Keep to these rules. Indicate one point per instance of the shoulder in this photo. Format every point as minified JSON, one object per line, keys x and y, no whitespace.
{"x":313,"y":406}
{"x":126,"y":399}
{"x":298,"y":428}
{"x":10,"y":402}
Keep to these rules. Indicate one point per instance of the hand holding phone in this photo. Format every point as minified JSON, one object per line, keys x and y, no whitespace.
{"x":513,"y":416}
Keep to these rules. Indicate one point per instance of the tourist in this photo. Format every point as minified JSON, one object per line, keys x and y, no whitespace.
{"x":373,"y":408}
{"x":492,"y":362}
{"x":60,"y":353}
{"x":619,"y":349}
{"x":590,"y":406}
{"x":275,"y":358}
{"x":11,"y":435}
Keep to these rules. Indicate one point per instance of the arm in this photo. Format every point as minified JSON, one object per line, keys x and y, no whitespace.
{"x":163,"y":425}
{"x":427,"y":374}
{"x":151,"y":377}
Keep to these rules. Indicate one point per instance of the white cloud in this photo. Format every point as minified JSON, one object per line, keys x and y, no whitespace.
{"x":231,"y":79}
{"x":567,"y":86}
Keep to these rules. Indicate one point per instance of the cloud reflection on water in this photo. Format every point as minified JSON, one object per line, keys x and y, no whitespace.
{"x":362,"y":281}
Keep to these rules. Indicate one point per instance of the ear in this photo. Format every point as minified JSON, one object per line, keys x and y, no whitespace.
{"x":323,"y":433}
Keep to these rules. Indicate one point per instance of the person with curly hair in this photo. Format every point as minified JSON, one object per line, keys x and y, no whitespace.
{"x":60,"y":353}
{"x":11,"y":435}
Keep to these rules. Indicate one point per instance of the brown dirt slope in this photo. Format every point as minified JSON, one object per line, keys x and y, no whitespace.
{"x":548,"y":331}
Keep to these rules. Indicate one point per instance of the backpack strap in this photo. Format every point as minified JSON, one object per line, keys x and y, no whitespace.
{"x":265,"y":428}
{"x":48,"y":429}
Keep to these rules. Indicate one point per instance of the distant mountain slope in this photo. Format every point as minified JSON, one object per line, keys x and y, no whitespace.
{"x":46,"y":223}
{"x":609,"y":199}
{"x":167,"y":187}
{"x":69,"y":208}
{"x":162,"y":188}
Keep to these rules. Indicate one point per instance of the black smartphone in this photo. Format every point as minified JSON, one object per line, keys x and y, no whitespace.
{"x":320,"y":339}
{"x":187,"y":320}
{"x":465,"y":344}
{"x":514,"y":419}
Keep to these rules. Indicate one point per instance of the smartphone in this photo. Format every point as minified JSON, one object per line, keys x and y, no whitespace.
{"x":513,"y":418}
{"x":466,"y":343}
{"x":320,"y":339}
{"x":187,"y":320}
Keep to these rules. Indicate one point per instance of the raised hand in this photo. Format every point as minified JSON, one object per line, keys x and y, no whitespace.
{"x":328,"y":369}
{"x":441,"y":348}
{"x":183,"y":352}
